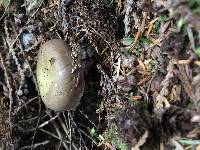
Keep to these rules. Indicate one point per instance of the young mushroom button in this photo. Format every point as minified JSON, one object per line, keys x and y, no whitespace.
{"x":60,"y":87}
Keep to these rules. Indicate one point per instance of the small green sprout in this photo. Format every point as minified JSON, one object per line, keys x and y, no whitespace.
{"x":127,"y":41}
{"x":94,"y":134}
{"x":180,"y":23}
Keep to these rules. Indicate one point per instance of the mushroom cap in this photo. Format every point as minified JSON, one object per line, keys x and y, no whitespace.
{"x":60,"y":86}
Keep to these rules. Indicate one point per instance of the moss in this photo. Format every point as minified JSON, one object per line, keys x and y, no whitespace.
{"x":111,"y":136}
{"x":4,"y":3}
{"x":194,"y":6}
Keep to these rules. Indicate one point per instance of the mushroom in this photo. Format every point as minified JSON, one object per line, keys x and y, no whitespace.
{"x":60,"y":79}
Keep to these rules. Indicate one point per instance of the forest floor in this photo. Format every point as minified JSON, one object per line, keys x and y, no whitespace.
{"x":142,"y":85}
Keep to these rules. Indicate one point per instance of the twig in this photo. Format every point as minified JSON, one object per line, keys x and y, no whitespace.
{"x":29,"y":101}
{"x":89,"y":137}
{"x":128,"y":11}
{"x":149,"y":85}
{"x":70,"y":117}
{"x":53,"y":135}
{"x":4,"y":13}
{"x":88,"y":119}
{"x":10,"y":90}
{"x":28,"y":120}
{"x":118,"y":66}
{"x":62,"y":14}
{"x":35,"y":145}
{"x":161,"y":97}
{"x":27,"y":62}
{"x":47,"y":122}
{"x":59,"y":132}
{"x":70,"y":129}
{"x":36,"y":126}
{"x":59,"y":146}
{"x":191,"y":37}
{"x":67,"y":132}
{"x":29,"y":20}
{"x":185,"y":81}
{"x":22,"y":73}
{"x":140,"y":31}
{"x":141,"y":141}
{"x":176,"y":144}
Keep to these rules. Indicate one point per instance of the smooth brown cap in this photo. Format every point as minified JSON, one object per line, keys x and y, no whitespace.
{"x":60,"y":89}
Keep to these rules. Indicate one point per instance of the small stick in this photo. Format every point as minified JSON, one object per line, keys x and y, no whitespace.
{"x":59,"y":132}
{"x":67,"y":132}
{"x":10,"y":90}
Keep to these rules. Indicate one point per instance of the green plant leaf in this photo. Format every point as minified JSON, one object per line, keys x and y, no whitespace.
{"x":101,"y":138}
{"x":180,"y":23}
{"x":189,"y":142}
{"x":93,"y":132}
{"x":127,"y":41}
{"x":197,"y":51}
